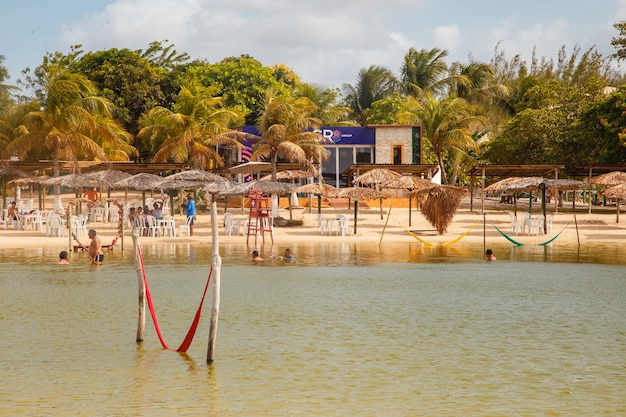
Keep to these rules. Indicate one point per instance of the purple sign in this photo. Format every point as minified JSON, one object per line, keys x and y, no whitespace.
{"x":339,"y":135}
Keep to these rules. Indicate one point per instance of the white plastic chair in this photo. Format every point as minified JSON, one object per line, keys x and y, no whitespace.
{"x":515,"y":226}
{"x":152,"y":227}
{"x":230,"y":227}
{"x":169,"y":226}
{"x":549,"y":223}
{"x":186,"y":226}
{"x":343,"y":227}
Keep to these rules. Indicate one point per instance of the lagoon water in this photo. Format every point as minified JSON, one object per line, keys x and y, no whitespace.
{"x":345,"y":330}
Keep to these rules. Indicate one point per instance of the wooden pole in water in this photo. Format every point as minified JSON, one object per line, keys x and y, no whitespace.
{"x":575,"y":221}
{"x":122,"y":220}
{"x":141,"y":287}
{"x":68,"y":224}
{"x":380,"y":242}
{"x":216,"y":267}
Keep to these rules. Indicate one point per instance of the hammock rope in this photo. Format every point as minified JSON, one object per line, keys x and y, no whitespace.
{"x":510,"y":239}
{"x":451,"y":242}
{"x":184,"y":346}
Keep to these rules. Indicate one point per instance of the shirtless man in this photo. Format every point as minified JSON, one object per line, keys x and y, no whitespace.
{"x":95,"y":249}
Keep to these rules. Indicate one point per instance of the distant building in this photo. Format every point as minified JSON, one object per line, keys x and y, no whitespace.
{"x":373,"y":144}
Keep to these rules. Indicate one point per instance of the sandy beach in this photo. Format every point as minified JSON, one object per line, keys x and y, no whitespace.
{"x":373,"y":227}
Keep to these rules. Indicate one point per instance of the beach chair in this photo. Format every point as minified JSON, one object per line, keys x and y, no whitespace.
{"x":230,"y":227}
{"x":515,"y":226}
{"x":185,"y":227}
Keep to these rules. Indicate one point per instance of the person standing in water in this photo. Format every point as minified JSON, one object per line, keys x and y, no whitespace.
{"x":489,"y":255}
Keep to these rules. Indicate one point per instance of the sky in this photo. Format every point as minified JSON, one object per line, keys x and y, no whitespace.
{"x":325,"y":42}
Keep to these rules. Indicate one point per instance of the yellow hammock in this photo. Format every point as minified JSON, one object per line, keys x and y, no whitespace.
{"x":453,"y":241}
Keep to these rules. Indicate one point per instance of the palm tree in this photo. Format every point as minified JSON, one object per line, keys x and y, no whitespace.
{"x":326,"y":99}
{"x":192,"y":132}
{"x":70,"y":122}
{"x":373,"y":84}
{"x":288,"y":132}
{"x":425,"y":72}
{"x":447,"y":124}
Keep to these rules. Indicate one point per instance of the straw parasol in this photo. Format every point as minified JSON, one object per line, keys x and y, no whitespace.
{"x":320,"y":189}
{"x":195,"y":175}
{"x":440,"y":205}
{"x":616,"y":192}
{"x":292,"y":174}
{"x":266,"y":187}
{"x":8,"y":173}
{"x":359,"y":193}
{"x":377,"y":176}
{"x":142,"y":181}
{"x":108,"y":177}
{"x":71,"y":181}
{"x":610,"y":179}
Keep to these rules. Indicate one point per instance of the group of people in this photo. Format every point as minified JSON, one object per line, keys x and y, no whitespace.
{"x":96,"y":254}
{"x":287,"y":256}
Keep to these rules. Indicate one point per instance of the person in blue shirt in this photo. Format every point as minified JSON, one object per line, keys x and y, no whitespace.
{"x":191,"y":212}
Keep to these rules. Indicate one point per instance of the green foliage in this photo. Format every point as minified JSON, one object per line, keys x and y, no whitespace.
{"x":373,"y":84}
{"x":598,"y":136}
{"x":241,"y":81}
{"x":126,"y":78}
{"x":384,"y":111}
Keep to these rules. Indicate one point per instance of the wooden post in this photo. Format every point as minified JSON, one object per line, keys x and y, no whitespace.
{"x":356,"y":210}
{"x":216,"y":266}
{"x":123,"y":220}
{"x":410,"y":201}
{"x":141,"y":287}
{"x":68,"y":224}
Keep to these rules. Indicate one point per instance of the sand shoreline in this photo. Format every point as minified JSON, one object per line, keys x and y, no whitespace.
{"x":599,"y":226}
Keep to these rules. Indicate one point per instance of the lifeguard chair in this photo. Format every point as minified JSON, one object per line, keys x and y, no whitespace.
{"x":260,"y":219}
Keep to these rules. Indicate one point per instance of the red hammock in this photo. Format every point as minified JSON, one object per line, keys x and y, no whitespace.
{"x":196,"y":320}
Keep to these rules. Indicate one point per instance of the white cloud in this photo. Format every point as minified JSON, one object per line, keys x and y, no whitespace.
{"x":447,"y":37}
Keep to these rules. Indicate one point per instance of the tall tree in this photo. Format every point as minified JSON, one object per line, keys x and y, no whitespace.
{"x":190,"y":132}
{"x":329,"y":111}
{"x":241,"y":81}
{"x":372,"y":84}
{"x":425,"y":71}
{"x":288,"y":132}
{"x":448,"y":124}
{"x":5,"y":89}
{"x":71,"y":122}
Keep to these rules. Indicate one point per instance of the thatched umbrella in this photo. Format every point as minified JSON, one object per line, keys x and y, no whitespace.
{"x":377,"y":176}
{"x":320,"y":189}
{"x":108,"y":177}
{"x":266,"y":187}
{"x":408,"y":183}
{"x":359,"y":193}
{"x":440,"y":205}
{"x":616,"y":192}
{"x":195,"y":175}
{"x":611,"y":179}
{"x":292,"y":174}
{"x":8,"y":173}
{"x":142,"y":181}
